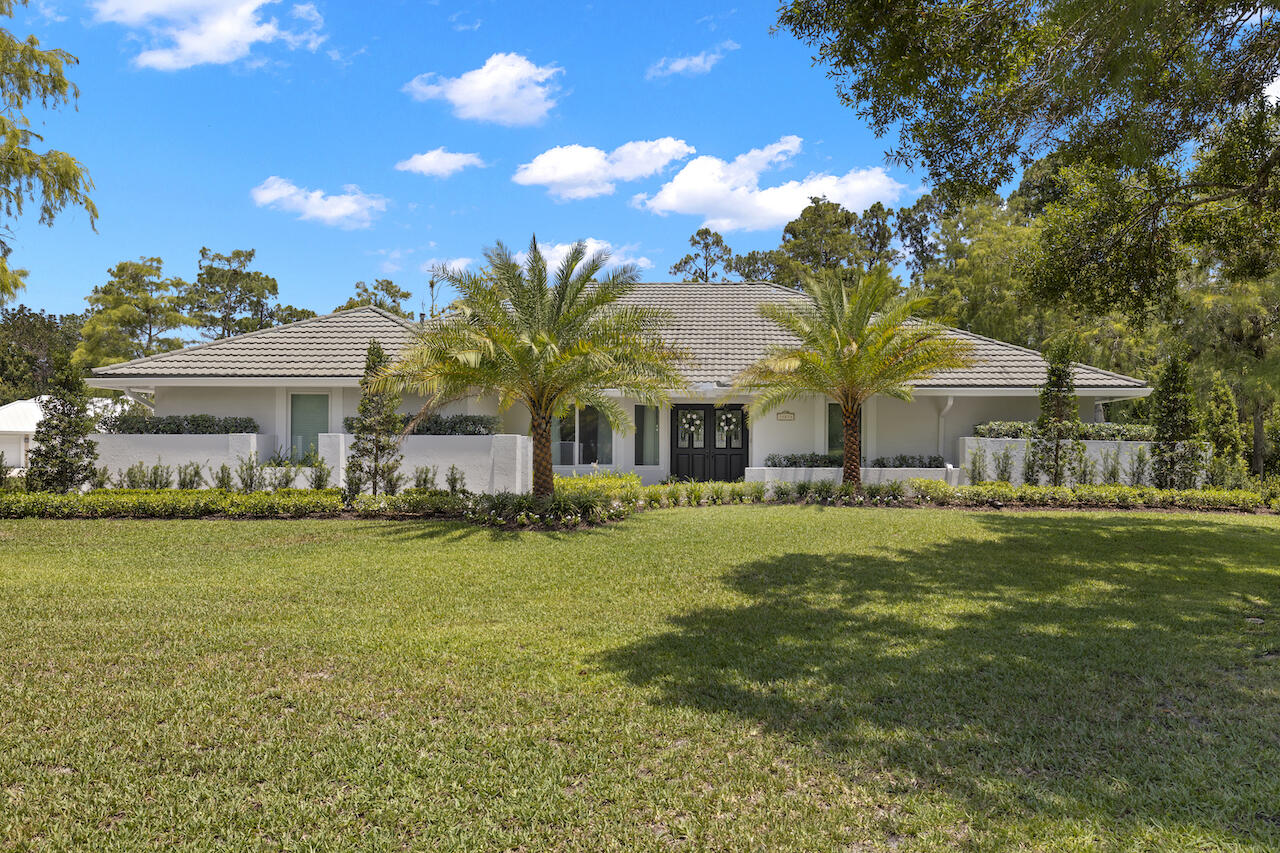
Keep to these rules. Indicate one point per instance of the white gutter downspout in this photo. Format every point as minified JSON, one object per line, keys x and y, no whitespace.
{"x":134,"y":396}
{"x":942,"y":424}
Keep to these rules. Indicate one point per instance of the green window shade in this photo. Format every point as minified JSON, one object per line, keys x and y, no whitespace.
{"x":308,"y":417}
{"x":647,"y":435}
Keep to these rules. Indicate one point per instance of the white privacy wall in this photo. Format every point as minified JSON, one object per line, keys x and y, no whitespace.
{"x":118,"y":452}
{"x":1018,"y":451}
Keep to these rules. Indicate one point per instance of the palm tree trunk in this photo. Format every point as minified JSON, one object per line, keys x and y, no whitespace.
{"x":543,"y":475}
{"x":851,"y":416}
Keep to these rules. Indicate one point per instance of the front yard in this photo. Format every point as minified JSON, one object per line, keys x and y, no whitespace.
{"x":737,"y":677}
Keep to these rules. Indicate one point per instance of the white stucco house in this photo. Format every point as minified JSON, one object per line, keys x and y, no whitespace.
{"x":299,"y":381}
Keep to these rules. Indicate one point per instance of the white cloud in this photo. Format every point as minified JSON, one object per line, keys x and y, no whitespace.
{"x":200,"y":32}
{"x":455,"y":264}
{"x":698,"y":63}
{"x":580,"y":171}
{"x":508,"y":89}
{"x":439,"y":163}
{"x":618,"y":255}
{"x":728,"y":196}
{"x":350,"y":209}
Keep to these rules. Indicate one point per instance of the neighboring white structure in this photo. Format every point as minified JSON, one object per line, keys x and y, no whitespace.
{"x":300,"y":381}
{"x":18,"y":421}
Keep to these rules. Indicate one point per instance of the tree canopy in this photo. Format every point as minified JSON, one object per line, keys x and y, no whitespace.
{"x":382,"y":293}
{"x":1116,"y":93}
{"x":52,"y":180}
{"x":131,"y":314}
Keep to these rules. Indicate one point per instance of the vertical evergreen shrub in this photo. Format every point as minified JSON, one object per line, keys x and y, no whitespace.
{"x":64,"y":457}
{"x":1059,"y":422}
{"x":1177,"y":459}
{"x":374,"y":460}
{"x":1222,"y":429}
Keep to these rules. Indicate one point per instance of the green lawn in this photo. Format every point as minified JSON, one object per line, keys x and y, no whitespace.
{"x":731,"y":678}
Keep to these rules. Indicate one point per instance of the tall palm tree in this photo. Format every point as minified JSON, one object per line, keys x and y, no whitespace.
{"x":551,"y":342}
{"x":854,"y":338}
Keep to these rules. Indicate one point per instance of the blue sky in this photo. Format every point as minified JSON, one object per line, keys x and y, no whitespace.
{"x":348,"y":141}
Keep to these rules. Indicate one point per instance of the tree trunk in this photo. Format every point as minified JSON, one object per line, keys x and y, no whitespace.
{"x":543,"y":475}
{"x":851,"y":416}
{"x":1259,"y":438}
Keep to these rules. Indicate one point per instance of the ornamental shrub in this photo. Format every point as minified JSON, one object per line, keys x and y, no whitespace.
{"x":1004,"y":465}
{"x":1084,"y":431}
{"x":374,"y":460}
{"x":134,"y":423}
{"x":63,"y":457}
{"x":1179,"y":454}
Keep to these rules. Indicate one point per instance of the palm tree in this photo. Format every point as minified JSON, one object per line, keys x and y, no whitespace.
{"x":549,"y":342}
{"x":854,"y":339}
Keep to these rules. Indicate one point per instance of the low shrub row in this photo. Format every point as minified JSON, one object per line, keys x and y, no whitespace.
{"x":1083,"y":432}
{"x":504,"y":509}
{"x":437,"y":424}
{"x":132,"y":423}
{"x":1086,"y":496}
{"x":836,"y":460}
{"x":171,"y":503}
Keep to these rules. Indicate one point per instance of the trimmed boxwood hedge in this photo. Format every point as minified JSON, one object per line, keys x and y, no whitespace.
{"x":131,"y":423}
{"x":436,"y":424}
{"x":1085,"y":432}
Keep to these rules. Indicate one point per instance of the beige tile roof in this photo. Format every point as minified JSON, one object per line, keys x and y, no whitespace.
{"x":329,"y":345}
{"x":718,"y":323}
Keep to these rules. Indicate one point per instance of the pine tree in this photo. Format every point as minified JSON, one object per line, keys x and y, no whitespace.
{"x":1177,"y":457}
{"x":63,"y":457}
{"x":1222,"y":429}
{"x":374,"y":460}
{"x":1059,"y":421}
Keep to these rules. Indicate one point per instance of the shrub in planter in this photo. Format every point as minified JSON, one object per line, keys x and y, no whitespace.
{"x":804,"y":460}
{"x":133,"y":423}
{"x":907,"y":460}
{"x":1004,"y":464}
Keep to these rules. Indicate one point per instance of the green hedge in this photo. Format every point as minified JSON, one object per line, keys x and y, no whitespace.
{"x":436,"y":424}
{"x":1105,"y":497}
{"x":136,"y":424}
{"x":1086,"y":431}
{"x":171,"y":503}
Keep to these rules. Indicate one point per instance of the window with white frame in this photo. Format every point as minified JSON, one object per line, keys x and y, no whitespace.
{"x":584,"y":437}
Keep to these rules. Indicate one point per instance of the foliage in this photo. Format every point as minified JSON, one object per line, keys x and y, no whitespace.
{"x":1178,"y":455}
{"x":1004,"y":464}
{"x":249,"y":473}
{"x":437,"y":424}
{"x":1222,"y":430}
{"x":374,"y":458}
{"x":135,"y":423}
{"x":1139,"y":466}
{"x":804,"y":460}
{"x":320,"y":474}
{"x":1114,"y":94}
{"x":63,"y":457}
{"x":222,"y":477}
{"x":32,"y":343}
{"x":602,"y":483}
{"x":710,"y":260}
{"x":1084,"y":431}
{"x":227,"y":298}
{"x":455,"y":481}
{"x":282,"y":476}
{"x":1059,"y":420}
{"x":855,"y":339}
{"x":190,"y":476}
{"x":978,"y":465}
{"x":907,"y":460}
{"x":52,"y":180}
{"x":424,"y":477}
{"x":130,"y":316}
{"x":938,"y":493}
{"x":549,"y":341}
{"x":1111,"y":473}
{"x":383,"y":293}
{"x":171,"y":503}
{"x":133,"y":477}
{"x":159,"y":476}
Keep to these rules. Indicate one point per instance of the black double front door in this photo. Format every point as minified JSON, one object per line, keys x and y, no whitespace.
{"x":708,"y":442}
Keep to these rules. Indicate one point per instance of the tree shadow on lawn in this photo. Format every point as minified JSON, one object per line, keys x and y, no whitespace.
{"x":1102,"y":669}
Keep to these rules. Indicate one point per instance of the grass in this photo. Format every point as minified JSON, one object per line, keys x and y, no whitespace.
{"x":733,"y":678}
